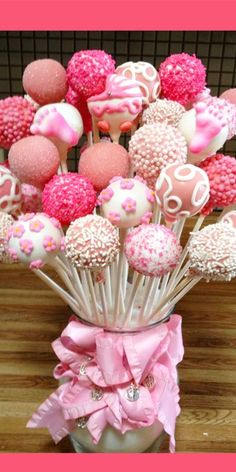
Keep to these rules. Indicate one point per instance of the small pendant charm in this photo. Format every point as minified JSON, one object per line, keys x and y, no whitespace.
{"x":97,"y":393}
{"x":149,"y":382}
{"x":82,"y":369}
{"x":133,"y":393}
{"x":82,"y":422}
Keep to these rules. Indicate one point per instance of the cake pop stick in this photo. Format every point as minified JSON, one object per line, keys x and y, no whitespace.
{"x":81,"y":290}
{"x":118,"y":291}
{"x":104,"y":303}
{"x":135,"y":287}
{"x":93,"y":296}
{"x":108,"y":287}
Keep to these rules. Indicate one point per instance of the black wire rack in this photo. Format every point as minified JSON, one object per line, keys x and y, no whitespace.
{"x":216,"y":49}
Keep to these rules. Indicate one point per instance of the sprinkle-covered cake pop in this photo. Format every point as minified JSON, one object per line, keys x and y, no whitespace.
{"x":16,"y":117}
{"x":103,"y":161}
{"x":229,"y":218}
{"x":147,"y":77}
{"x":79,"y":102}
{"x":127,"y":202}
{"x":163,"y":111}
{"x":153,"y":147}
{"x":6,"y":221}
{"x":44,"y":80}
{"x":91,"y":242}
{"x":221,"y":171}
{"x":34,"y":160}
{"x":152,"y":250}
{"x":68,"y":196}
{"x":34,"y":239}
{"x":115,"y":109}
{"x":183,"y":77}
{"x":10,"y":192}
{"x":181,"y":191}
{"x":212,"y":252}
{"x":31,"y":199}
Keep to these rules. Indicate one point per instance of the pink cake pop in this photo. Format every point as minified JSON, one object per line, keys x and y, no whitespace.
{"x":87,"y":71}
{"x":163,"y":111}
{"x":45,"y":81}
{"x":182,"y":77}
{"x":152,"y":250}
{"x":229,"y":95}
{"x":153,"y":147}
{"x":212,"y":252}
{"x":181,"y":191}
{"x":221,"y":171}
{"x":147,"y":77}
{"x":16,"y":117}
{"x":34,"y":239}
{"x":10,"y":192}
{"x":103,"y":161}
{"x":68,"y":196}
{"x":34,"y":160}
{"x":6,"y":221}
{"x":230,"y":218}
{"x":127,"y":202}
{"x":115,"y":109}
{"x":73,"y":98}
{"x":31,"y":199}
{"x":91,"y":242}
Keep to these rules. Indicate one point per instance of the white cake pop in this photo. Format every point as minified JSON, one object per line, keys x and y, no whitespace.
{"x":10,"y":192}
{"x":230,"y":218}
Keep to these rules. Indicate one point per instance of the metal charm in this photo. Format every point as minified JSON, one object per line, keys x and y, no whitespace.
{"x":82,"y":422}
{"x":133,"y":393}
{"x":149,"y":382}
{"x":97,"y":393}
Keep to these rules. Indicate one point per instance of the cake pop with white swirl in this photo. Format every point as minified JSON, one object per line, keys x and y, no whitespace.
{"x":10,"y":192}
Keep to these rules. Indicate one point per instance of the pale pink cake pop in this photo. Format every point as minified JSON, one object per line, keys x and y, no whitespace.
{"x":163,"y":111}
{"x":127,"y":202}
{"x":31,"y":199}
{"x":34,"y":160}
{"x":153,"y":147}
{"x":10,"y":192}
{"x":79,"y":102}
{"x":147,"y":77}
{"x":103,"y":161}
{"x":152,"y":250}
{"x":229,"y":95}
{"x":6,"y":221}
{"x":230,"y":218}
{"x":16,"y":117}
{"x":45,"y":81}
{"x":181,"y":191}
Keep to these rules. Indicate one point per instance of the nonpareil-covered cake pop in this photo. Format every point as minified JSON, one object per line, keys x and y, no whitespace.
{"x":91,"y":242}
{"x":152,"y":250}
{"x":229,"y":218}
{"x":10,"y":192}
{"x":181,"y":191}
{"x":115,"y":109}
{"x":34,"y":239}
{"x":127,"y":202}
{"x":103,"y":161}
{"x":6,"y":221}
{"x":163,"y":111}
{"x":31,"y":199}
{"x":16,"y":117}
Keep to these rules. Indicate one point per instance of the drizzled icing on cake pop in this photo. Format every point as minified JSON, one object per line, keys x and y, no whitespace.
{"x":145,"y":75}
{"x":10,"y":192}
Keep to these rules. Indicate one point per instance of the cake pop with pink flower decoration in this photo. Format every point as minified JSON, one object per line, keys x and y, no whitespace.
{"x":10,"y":192}
{"x":127,"y":202}
{"x":31,"y":199}
{"x":16,"y":117}
{"x":230,"y":218}
{"x":181,"y":191}
{"x":6,"y":221}
{"x":163,"y":111}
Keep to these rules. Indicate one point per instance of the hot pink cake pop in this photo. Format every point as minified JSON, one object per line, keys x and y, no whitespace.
{"x":230,"y":218}
{"x":153,"y":147}
{"x":221,"y":171}
{"x":163,"y":111}
{"x":6,"y":221}
{"x":181,"y":191}
{"x":115,"y":109}
{"x":16,"y":117}
{"x":229,"y":95}
{"x":68,"y":196}
{"x":147,"y":77}
{"x":103,"y":161}
{"x":45,"y":81}
{"x":87,"y":71}
{"x":31,"y":199}
{"x":10,"y":192}
{"x":152,"y":250}
{"x":73,"y":98}
{"x":34,"y":160}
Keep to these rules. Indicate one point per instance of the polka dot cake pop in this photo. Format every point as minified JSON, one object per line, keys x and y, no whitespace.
{"x":68,"y":196}
{"x":163,"y":111}
{"x":153,"y":147}
{"x":127,"y":202}
{"x":6,"y":221}
{"x":34,"y":239}
{"x":10,"y":192}
{"x":181,"y":191}
{"x":16,"y":117}
{"x":91,"y":242}
{"x":152,"y":250}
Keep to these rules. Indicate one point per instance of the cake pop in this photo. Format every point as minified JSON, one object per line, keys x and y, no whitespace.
{"x":6,"y":222}
{"x":221,"y":171}
{"x":212,"y":252}
{"x":73,"y":98}
{"x":10,"y":192}
{"x":116,"y":108}
{"x":127,"y":202}
{"x":163,"y":111}
{"x":147,"y":77}
{"x":152,"y":250}
{"x":153,"y":147}
{"x":103,"y":161}
{"x":34,"y":160}
{"x":34,"y":239}
{"x":44,"y":80}
{"x":182,"y":77}
{"x":91,"y":242}
{"x":68,"y":196}
{"x":229,"y":95}
{"x":181,"y":191}
{"x":229,"y":218}
{"x":16,"y":117}
{"x":87,"y":71}
{"x":31,"y":199}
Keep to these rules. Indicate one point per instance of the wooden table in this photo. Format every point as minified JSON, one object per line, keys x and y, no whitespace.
{"x":31,"y":317}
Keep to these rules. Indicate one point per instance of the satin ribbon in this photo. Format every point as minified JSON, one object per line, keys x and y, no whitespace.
{"x":91,"y":357}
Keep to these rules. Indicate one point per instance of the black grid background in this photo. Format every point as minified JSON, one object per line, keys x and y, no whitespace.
{"x":217,"y":50}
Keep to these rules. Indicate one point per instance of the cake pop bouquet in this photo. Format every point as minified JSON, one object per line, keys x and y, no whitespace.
{"x":111,"y":231}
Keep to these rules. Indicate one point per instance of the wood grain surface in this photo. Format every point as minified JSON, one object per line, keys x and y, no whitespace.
{"x":32,"y":316}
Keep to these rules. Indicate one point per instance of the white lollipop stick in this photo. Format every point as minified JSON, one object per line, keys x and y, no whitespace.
{"x":104,"y":303}
{"x":128,"y":314}
{"x":118,"y":291}
{"x":180,"y":295}
{"x":108,"y":287}
{"x":93,"y":296}
{"x":81,"y":290}
{"x":146,"y":298}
